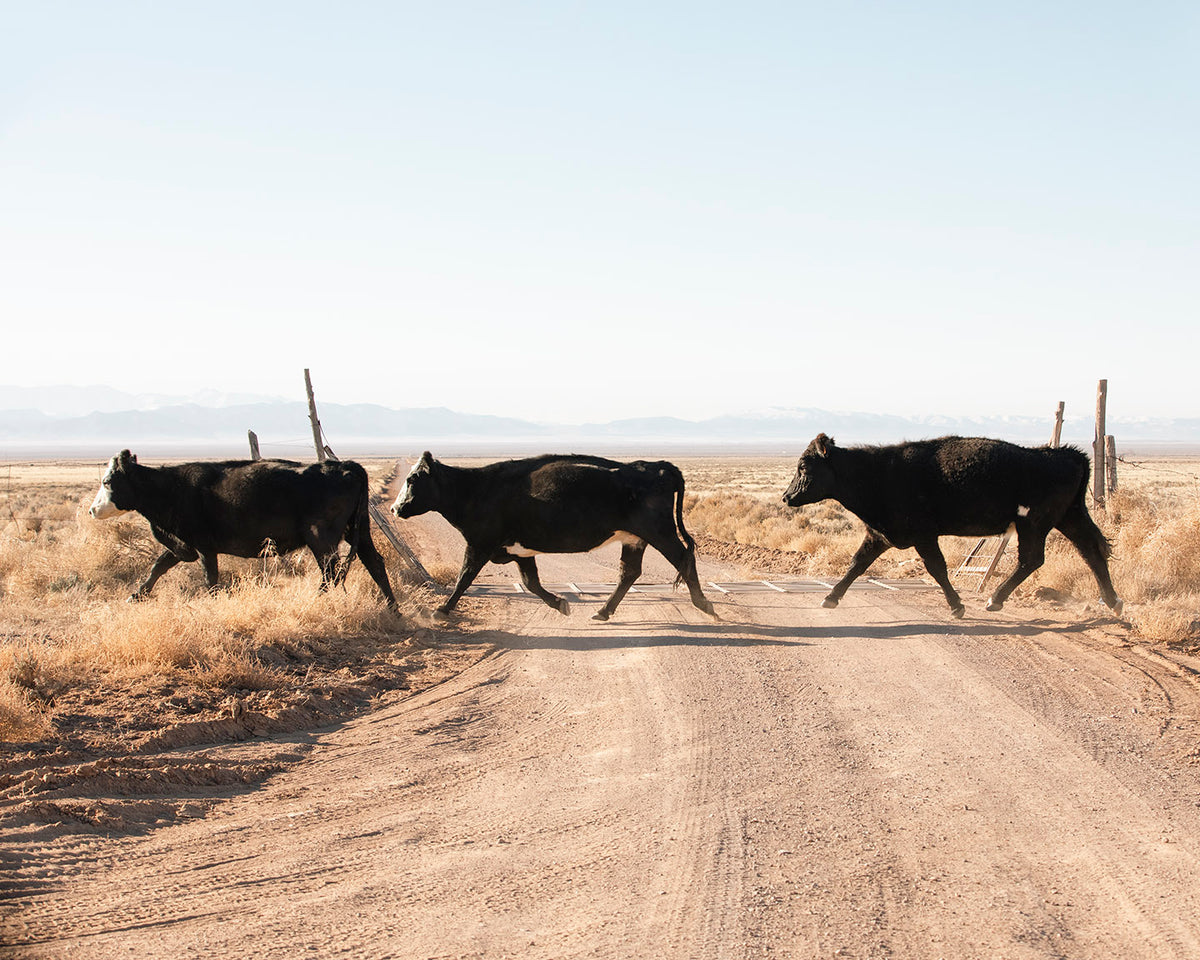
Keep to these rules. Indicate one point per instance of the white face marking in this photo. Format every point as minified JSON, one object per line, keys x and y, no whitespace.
{"x":1022,"y":511}
{"x":102,"y":507}
{"x":405,"y":494}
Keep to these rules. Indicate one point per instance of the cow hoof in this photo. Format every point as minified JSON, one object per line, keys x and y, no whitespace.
{"x":135,"y":598}
{"x":443,"y":611}
{"x":1117,"y":606}
{"x":957,"y":612}
{"x":601,"y":615}
{"x":993,"y":605}
{"x":563,"y":607}
{"x":829,"y":603}
{"x":707,"y":607}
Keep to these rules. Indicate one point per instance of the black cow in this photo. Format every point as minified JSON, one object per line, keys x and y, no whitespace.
{"x":909,"y":494}
{"x":241,"y":508}
{"x":510,"y":511}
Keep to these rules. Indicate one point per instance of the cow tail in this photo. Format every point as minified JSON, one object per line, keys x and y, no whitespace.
{"x":361,"y":519}
{"x":689,"y":563}
{"x":1081,"y":499}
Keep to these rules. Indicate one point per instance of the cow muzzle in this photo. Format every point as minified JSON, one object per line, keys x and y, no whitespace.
{"x":102,"y":507}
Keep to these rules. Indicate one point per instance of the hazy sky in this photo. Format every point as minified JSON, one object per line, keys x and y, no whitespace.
{"x":568,"y":211}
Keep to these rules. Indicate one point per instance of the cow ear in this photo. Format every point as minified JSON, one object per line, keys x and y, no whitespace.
{"x":426,"y":459}
{"x":822,"y":444}
{"x":126,"y":458}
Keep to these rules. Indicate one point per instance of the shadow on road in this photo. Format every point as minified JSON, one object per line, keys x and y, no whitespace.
{"x":666,"y":633}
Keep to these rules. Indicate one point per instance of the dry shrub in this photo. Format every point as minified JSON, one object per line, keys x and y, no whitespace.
{"x":443,"y":572}
{"x":739,"y":518}
{"x":25,"y":691}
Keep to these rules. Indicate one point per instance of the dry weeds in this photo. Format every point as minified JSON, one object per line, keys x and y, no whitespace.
{"x":67,"y":633}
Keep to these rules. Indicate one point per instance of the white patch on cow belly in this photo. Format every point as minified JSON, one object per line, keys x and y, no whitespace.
{"x":625,"y":538}
{"x":516,"y":550}
{"x":1022,"y":511}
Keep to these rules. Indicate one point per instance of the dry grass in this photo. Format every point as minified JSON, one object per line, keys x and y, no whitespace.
{"x":1152,"y":522}
{"x":65,"y":626}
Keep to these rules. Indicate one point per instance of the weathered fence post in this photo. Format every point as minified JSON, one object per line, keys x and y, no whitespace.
{"x":312,"y":415}
{"x":407,"y":557}
{"x":254,"y":454}
{"x":1098,"y":446}
{"x":1056,"y":436}
{"x":1110,"y":460}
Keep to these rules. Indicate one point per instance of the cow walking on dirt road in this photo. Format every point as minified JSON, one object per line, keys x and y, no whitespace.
{"x":513,"y":510}
{"x":909,"y":494}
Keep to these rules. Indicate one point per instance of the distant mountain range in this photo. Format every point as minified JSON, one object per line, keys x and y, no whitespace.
{"x":64,"y":420}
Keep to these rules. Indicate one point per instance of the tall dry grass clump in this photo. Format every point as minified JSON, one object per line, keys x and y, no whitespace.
{"x":1155,"y":562}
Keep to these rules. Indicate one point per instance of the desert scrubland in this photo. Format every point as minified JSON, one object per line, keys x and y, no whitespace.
{"x":76,"y":661}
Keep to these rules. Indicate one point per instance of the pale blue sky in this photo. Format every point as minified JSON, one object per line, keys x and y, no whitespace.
{"x":575,"y":212}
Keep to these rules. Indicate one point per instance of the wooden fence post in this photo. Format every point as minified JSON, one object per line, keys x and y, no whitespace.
{"x":1098,"y":471}
{"x":1110,"y":460}
{"x":312,"y":415}
{"x":254,"y":454}
{"x":407,"y":557}
{"x":1056,"y":436}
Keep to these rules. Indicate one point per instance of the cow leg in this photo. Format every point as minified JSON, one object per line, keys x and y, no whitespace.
{"x":684,"y":561}
{"x":327,"y":563}
{"x":166,"y":560}
{"x":1031,"y":554}
{"x":1078,"y":527}
{"x":631,"y":569}
{"x":473,"y":562}
{"x":209,"y":562}
{"x":935,"y":563}
{"x":529,"y":577}
{"x":868,"y":552}
{"x":375,"y":567}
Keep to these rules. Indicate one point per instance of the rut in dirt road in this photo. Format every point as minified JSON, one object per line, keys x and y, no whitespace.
{"x":871,"y":781}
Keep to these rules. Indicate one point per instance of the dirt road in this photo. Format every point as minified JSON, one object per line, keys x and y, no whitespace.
{"x":872,"y":781}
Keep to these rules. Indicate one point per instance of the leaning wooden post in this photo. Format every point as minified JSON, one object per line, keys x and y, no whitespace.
{"x":1098,"y":446}
{"x":254,"y":454}
{"x":312,"y":415}
{"x":1110,"y":460}
{"x":1056,"y":436}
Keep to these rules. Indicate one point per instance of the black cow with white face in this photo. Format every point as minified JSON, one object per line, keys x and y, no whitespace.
{"x":242,"y":507}
{"x":909,"y":494}
{"x":511,"y":511}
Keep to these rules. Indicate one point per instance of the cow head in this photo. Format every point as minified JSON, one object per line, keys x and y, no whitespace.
{"x":419,"y":493}
{"x":814,"y":478}
{"x":116,"y":493}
